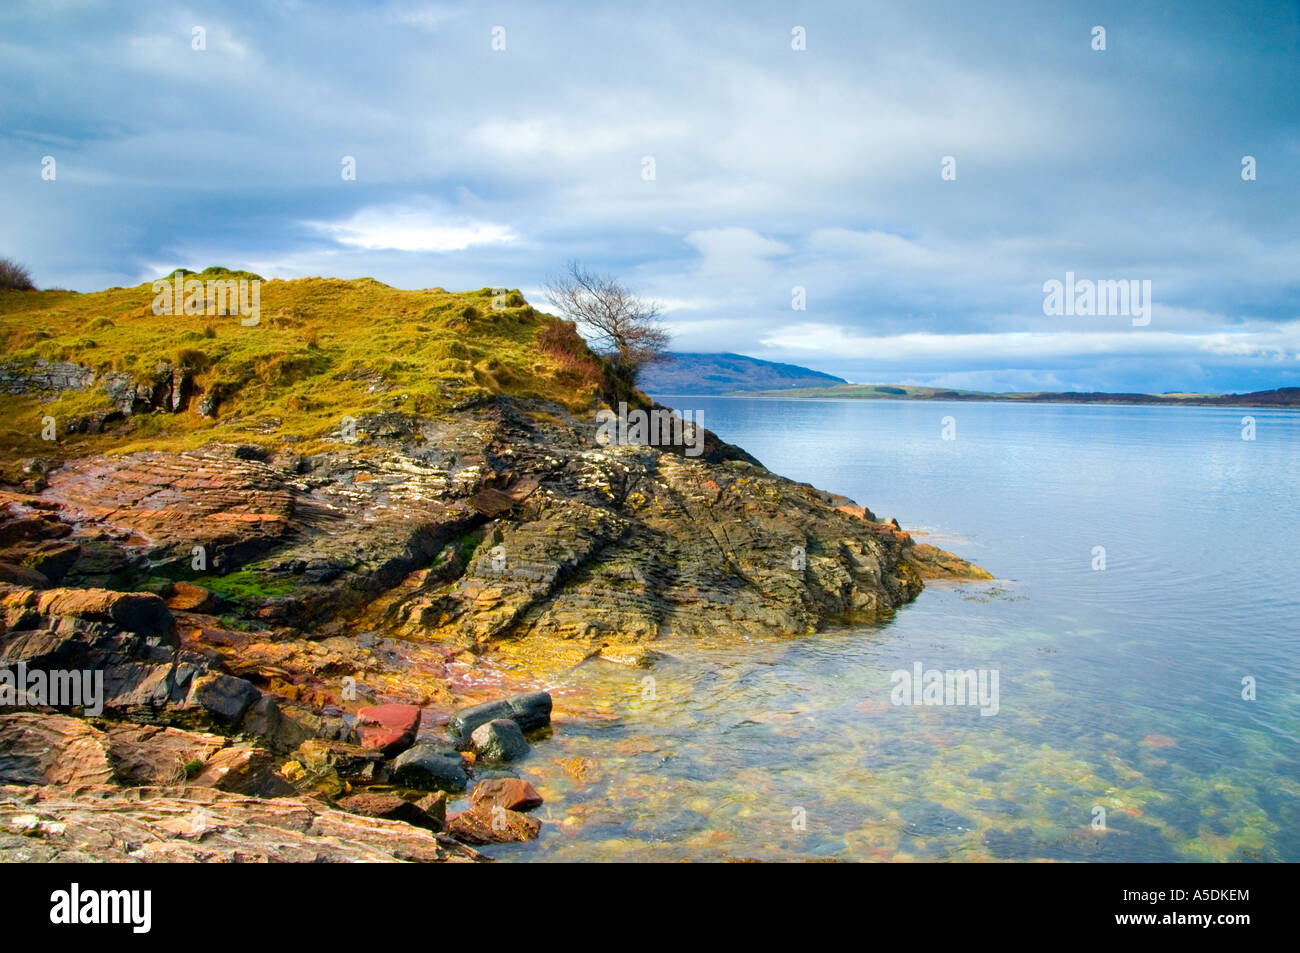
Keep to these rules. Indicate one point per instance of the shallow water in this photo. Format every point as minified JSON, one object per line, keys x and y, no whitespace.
{"x":1119,"y":689}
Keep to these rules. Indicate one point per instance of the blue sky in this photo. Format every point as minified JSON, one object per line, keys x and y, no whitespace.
{"x":773,"y":168}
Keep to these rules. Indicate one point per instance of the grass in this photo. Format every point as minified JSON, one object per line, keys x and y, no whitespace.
{"x":324,"y":349}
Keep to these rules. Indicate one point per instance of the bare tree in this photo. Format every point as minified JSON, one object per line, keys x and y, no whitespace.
{"x":622,"y":326}
{"x":14,"y":276}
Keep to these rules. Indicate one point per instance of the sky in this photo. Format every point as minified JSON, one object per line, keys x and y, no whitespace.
{"x":692,"y":150}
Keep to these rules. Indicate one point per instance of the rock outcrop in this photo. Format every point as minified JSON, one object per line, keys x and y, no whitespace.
{"x":277,"y":624}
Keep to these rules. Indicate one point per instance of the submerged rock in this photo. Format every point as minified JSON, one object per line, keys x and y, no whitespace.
{"x":482,"y":824}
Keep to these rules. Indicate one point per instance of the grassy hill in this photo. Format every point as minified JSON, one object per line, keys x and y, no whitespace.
{"x":324,"y":349}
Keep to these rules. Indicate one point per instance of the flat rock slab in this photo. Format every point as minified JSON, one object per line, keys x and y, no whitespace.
{"x":187,"y":824}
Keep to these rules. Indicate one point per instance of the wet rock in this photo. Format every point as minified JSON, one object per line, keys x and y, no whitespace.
{"x":499,"y":740}
{"x":492,"y":825}
{"x":388,"y":728}
{"x":999,"y":806}
{"x":509,"y":793}
{"x":428,"y":768}
{"x":529,"y":711}
{"x":581,"y":770}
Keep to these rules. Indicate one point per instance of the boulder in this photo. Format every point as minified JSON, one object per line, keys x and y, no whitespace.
{"x":510,"y":793}
{"x":428,"y":768}
{"x":39,"y":748}
{"x":225,"y":697}
{"x":499,"y":740}
{"x":529,"y":711}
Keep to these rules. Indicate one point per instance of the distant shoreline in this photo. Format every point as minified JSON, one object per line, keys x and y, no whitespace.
{"x":1281,"y":398}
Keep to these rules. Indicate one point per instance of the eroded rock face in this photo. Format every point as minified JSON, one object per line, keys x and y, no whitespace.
{"x":570,"y":540}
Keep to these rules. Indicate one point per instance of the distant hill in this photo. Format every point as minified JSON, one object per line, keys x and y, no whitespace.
{"x":726,"y":374}
{"x":1278,"y":397}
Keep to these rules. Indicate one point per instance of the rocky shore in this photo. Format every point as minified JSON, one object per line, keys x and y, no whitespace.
{"x":305,"y":648}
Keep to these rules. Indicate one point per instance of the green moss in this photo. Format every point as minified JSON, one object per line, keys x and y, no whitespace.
{"x":247,"y":585}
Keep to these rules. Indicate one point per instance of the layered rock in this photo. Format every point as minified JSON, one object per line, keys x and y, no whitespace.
{"x":154,"y":825}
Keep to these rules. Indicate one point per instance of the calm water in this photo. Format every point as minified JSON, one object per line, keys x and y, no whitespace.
{"x":1120,"y":690}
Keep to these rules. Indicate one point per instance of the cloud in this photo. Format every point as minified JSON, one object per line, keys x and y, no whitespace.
{"x":402,"y":229}
{"x":1282,"y":343}
{"x":774,"y":168}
